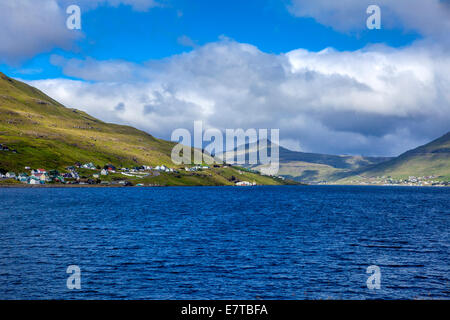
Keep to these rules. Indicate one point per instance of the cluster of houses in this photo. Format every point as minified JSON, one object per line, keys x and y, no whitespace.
{"x":163,"y":168}
{"x":42,"y":176}
{"x":196,"y":168}
{"x":89,"y":166}
{"x":245,"y":184}
{"x":36,"y":176}
{"x":410,"y":181}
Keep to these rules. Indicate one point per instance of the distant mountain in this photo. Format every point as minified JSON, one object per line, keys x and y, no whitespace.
{"x":432,"y":159}
{"x":312,"y":167}
{"x":38,"y":132}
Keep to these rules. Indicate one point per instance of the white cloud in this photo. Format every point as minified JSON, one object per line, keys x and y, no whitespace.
{"x":108,"y":70}
{"x":372,"y":101}
{"x":430,"y":18}
{"x":29,"y":27}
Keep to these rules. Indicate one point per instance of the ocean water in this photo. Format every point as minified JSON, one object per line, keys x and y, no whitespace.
{"x":291,"y":242}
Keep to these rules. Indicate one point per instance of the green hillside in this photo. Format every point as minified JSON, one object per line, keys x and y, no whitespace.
{"x":430,"y":160}
{"x":42,"y":133}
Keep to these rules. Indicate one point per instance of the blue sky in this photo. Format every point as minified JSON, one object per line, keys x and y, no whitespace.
{"x":138,"y":36}
{"x":309,"y":68}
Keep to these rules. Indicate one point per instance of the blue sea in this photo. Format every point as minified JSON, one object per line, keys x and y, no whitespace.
{"x":289,"y":242}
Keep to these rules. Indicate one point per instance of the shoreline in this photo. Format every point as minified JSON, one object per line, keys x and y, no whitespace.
{"x":27,"y":186}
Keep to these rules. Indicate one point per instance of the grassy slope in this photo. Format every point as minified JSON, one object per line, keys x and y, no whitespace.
{"x":430,"y":159}
{"x":48,"y":135}
{"x":212,"y":177}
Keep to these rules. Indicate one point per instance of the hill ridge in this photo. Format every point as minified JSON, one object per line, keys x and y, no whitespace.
{"x":45,"y":134}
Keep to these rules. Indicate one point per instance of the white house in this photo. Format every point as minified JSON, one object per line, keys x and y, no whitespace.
{"x":34,"y":180}
{"x":104,"y":172}
{"x":245,"y":184}
{"x":10,"y":175}
{"x":89,"y":165}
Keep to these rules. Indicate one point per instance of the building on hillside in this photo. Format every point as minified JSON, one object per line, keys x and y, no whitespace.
{"x":44,"y":177}
{"x":34,"y":180}
{"x":245,"y":184}
{"x":75,"y":175}
{"x":10,"y":175}
{"x":89,"y":165}
{"x":110,"y":168}
{"x":38,"y":171}
{"x":23,"y":177}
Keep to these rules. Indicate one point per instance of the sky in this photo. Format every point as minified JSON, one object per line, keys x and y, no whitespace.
{"x":309,"y":68}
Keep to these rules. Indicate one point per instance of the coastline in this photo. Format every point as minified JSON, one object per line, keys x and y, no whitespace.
{"x":27,"y":186}
{"x":75,"y":186}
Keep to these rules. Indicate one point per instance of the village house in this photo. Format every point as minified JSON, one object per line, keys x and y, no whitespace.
{"x":23,"y":177}
{"x":89,"y":165}
{"x":196,"y":168}
{"x":72,"y":173}
{"x":245,"y":184}
{"x":44,"y":177}
{"x":10,"y":175}
{"x":38,"y":171}
{"x":34,"y":181}
{"x":110,"y":168}
{"x":163,"y":168}
{"x":104,"y":172}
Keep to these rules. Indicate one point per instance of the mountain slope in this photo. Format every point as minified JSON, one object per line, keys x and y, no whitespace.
{"x":432,"y":159}
{"x":312,"y":167}
{"x":44,"y":130}
{"x":48,"y":135}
